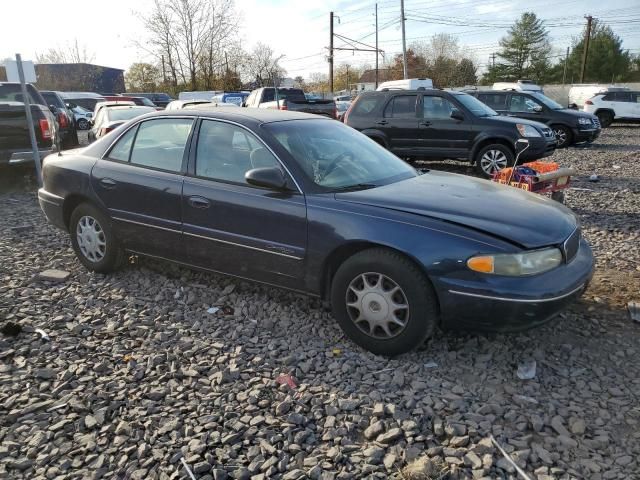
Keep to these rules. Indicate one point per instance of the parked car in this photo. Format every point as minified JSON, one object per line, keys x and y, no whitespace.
{"x":438,"y":124}
{"x":198,"y":95}
{"x":110,"y":103}
{"x":158,"y":98}
{"x":64,"y":117}
{"x":615,"y":106}
{"x":144,"y":102}
{"x":86,"y":100}
{"x":111,"y":117}
{"x":207,"y":105}
{"x":83,"y":117}
{"x":15,"y":142}
{"x":406,"y":84}
{"x":237,"y":98}
{"x":519,"y":86}
{"x":580,"y":93}
{"x":342,"y":98}
{"x":306,"y":203}
{"x":569,"y":126}
{"x":341,"y":108}
{"x":180,"y":104}
{"x":290,"y":99}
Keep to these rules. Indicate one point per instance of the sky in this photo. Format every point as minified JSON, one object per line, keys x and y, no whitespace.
{"x":299,"y":29}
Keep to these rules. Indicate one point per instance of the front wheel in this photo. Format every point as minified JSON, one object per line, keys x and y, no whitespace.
{"x":492,"y":159}
{"x":563,"y":136}
{"x":383,"y":302}
{"x":93,"y":239}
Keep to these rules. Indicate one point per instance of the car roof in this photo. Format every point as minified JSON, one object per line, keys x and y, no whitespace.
{"x":254,"y":116}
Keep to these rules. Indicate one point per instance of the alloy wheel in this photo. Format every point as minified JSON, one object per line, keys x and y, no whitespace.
{"x":91,"y":239}
{"x":493,"y":161}
{"x":377,"y":305}
{"x":561,"y":136}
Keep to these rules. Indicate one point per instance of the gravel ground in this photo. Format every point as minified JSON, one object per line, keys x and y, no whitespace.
{"x":137,"y":376}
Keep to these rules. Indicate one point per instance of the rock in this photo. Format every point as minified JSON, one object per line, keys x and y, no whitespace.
{"x":624,"y":460}
{"x":45,"y":373}
{"x":390,"y":436}
{"x":472,"y":460}
{"x":373,"y":455}
{"x":504,"y":464}
{"x":557,"y":423}
{"x":283,"y":408}
{"x":373,"y":430}
{"x":458,"y":442}
{"x":219,"y":474}
{"x":578,"y":427}
{"x":201,"y":467}
{"x":54,"y":276}
{"x":90,"y":422}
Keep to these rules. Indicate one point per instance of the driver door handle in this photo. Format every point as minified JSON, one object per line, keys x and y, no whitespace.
{"x":426,"y":123}
{"x":199,"y":202}
{"x":382,"y":122}
{"x":107,"y":183}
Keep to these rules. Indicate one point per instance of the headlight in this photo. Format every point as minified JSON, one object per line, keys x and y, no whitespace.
{"x":584,"y":121}
{"x":517,"y":264}
{"x":527,"y":130}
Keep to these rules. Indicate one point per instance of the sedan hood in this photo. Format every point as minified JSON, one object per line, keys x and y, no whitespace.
{"x":526,"y":219}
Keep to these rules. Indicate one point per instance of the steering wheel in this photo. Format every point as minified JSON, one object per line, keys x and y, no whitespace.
{"x":334,"y":163}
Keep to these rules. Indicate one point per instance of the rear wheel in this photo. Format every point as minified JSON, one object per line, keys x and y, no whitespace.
{"x":383,"y":302}
{"x":93,"y":239}
{"x":606,"y":119}
{"x":83,"y":124}
{"x":493,"y":158}
{"x":564,"y":138}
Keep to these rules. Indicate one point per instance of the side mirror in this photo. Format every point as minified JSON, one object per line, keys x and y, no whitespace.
{"x":457,"y":115}
{"x":537,"y":109}
{"x":53,"y":109}
{"x":521,"y":145}
{"x":267,"y":177}
{"x":89,"y":115}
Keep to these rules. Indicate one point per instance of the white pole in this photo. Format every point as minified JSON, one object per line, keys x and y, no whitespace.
{"x":27,"y":109}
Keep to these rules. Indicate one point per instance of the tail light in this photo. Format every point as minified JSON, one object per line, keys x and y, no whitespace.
{"x":588,"y":102}
{"x":283,"y":107}
{"x":45,"y":129}
{"x":335,"y":113}
{"x":62,"y":120}
{"x":345,"y":117}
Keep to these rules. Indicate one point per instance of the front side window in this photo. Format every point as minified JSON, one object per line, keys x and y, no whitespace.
{"x":161,"y":143}
{"x":401,"y":106}
{"x":226,"y":152}
{"x":520,"y":103}
{"x":623,"y":97}
{"x":335,"y":156}
{"x":437,"y":108}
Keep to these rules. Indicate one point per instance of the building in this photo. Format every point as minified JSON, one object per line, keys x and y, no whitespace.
{"x":367,"y":81}
{"x":79,"y":77}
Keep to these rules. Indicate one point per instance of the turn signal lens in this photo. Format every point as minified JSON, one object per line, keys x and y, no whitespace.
{"x":481,"y":264}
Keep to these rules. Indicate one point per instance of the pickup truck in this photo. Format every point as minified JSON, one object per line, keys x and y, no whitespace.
{"x":15,"y":144}
{"x":290,"y":99}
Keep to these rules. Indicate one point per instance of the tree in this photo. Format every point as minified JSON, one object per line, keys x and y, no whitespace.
{"x":262,"y":66}
{"x":69,"y":53}
{"x":346,"y":76}
{"x":299,"y":82}
{"x":142,"y":77}
{"x":318,"y":82}
{"x":525,"y":51}
{"x":416,"y":66}
{"x":607,"y":61}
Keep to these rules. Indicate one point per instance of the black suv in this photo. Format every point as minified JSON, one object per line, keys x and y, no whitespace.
{"x":569,"y":126}
{"x":159,"y":99}
{"x":438,"y":124}
{"x":65,"y":118}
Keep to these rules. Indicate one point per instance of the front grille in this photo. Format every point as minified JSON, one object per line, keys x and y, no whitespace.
{"x":571,"y":245}
{"x":548,"y":133}
{"x":596,"y":122}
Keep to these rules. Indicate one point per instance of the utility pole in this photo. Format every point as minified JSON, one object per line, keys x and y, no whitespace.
{"x":164,"y":75}
{"x":376,"y":46}
{"x":493,"y":60}
{"x":331,"y":53}
{"x":566,"y":59}
{"x":348,"y":89}
{"x":587,"y":37}
{"x":404,"y":42}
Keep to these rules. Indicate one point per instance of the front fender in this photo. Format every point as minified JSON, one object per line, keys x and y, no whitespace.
{"x":482,"y":139}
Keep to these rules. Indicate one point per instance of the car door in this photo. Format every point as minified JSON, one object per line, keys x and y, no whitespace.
{"x":523,"y":106}
{"x":139,"y":181}
{"x":635,"y":98}
{"x":236,"y":228}
{"x":441,"y":135}
{"x":400,"y":124}
{"x":624,"y":104}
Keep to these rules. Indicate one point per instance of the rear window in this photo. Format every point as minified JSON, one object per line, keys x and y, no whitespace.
{"x":11,"y":92}
{"x":364,"y":106}
{"x":283,"y":94}
{"x":52,"y":99}
{"x":126,"y":114}
{"x":494,"y":100}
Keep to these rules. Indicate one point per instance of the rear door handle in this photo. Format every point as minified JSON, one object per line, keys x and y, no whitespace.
{"x":382,"y":122}
{"x":199,"y":202}
{"x":426,"y":123}
{"x":108,"y":183}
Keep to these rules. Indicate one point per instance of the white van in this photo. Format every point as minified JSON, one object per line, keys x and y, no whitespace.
{"x":407,"y":84}
{"x":519,"y":86}
{"x":580,"y":93}
{"x":201,"y":95}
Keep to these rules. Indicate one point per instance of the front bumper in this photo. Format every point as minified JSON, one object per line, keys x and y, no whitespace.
{"x":585,"y":135}
{"x":53,"y":208}
{"x":538,"y":148}
{"x":23,"y":156}
{"x":498,"y":303}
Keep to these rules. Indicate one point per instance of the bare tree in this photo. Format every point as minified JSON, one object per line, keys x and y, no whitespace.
{"x":262,"y":66}
{"x":70,"y":53}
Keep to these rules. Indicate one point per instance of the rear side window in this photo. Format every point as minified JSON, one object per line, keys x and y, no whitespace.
{"x":122,"y":149}
{"x":623,"y":97}
{"x":364,"y":106}
{"x":494,"y":100}
{"x":161,"y":143}
{"x":401,"y":106}
{"x":609,"y":97}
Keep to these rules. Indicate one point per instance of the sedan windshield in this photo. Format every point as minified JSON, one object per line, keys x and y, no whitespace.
{"x":552,"y":104}
{"x":337,"y":157}
{"x":475,"y":106}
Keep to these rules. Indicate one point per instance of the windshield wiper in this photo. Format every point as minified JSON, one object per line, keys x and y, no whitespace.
{"x":355,"y":187}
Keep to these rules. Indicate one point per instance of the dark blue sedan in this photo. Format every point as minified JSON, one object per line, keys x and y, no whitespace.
{"x":309,"y":204}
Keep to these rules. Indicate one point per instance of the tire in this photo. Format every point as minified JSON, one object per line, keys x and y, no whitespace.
{"x":98,"y":258}
{"x":83,"y":124}
{"x":564,"y":137}
{"x":558,"y":196}
{"x":383,"y":270}
{"x":490,"y":157}
{"x":606,"y":119}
